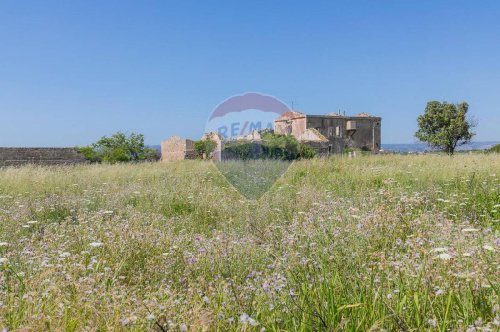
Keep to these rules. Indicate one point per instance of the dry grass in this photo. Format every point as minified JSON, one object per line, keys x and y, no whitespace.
{"x":372,"y":243}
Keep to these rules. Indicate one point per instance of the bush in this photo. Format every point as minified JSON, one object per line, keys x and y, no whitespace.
{"x":306,"y":152}
{"x":285,"y":147}
{"x":494,"y":149}
{"x":119,"y":148}
{"x":239,"y":150}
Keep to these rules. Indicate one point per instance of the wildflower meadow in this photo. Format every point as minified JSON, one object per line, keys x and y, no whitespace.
{"x":374,"y":243}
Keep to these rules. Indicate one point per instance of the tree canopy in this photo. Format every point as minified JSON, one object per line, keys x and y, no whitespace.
{"x":205,"y":148}
{"x":445,"y":126}
{"x":119,"y":148}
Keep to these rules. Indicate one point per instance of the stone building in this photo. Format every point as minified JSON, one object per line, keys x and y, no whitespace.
{"x":176,"y":148}
{"x":333,"y":132}
{"x":327,"y":134}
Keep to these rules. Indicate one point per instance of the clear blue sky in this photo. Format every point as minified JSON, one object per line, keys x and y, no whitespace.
{"x":73,"y":71}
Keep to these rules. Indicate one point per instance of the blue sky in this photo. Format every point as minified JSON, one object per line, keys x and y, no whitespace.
{"x":73,"y":71}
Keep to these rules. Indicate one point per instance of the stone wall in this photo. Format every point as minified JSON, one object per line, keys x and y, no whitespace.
{"x":40,"y":156}
{"x":176,"y":148}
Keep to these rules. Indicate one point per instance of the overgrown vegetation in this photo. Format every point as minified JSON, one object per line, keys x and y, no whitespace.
{"x":119,"y":148}
{"x":274,"y":146}
{"x":204,"y":148}
{"x":394,"y":243}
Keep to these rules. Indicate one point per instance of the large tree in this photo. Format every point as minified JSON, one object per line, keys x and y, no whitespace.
{"x":445,"y":126}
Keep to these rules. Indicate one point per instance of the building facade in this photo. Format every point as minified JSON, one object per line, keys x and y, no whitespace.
{"x":333,"y":132}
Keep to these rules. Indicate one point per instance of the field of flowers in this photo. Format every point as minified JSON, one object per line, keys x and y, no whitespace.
{"x":374,"y":243}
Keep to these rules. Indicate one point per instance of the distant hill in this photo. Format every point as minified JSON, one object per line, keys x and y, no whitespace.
{"x":421,"y":147}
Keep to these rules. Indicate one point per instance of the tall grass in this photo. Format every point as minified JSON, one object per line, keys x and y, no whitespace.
{"x":372,"y":243}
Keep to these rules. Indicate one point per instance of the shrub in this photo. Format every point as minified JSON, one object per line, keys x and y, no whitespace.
{"x":494,"y":149}
{"x":306,"y":152}
{"x":283,"y":147}
{"x":239,"y":150}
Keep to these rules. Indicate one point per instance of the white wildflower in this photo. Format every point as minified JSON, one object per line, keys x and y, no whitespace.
{"x":444,"y":256}
{"x":65,"y":254}
{"x":32,"y":222}
{"x":439,"y":250}
{"x":488,"y":247}
{"x":4,"y":244}
{"x":244,"y":318}
{"x":252,"y":321}
{"x":206,"y":299}
{"x":3,"y":260}
{"x":470,"y":230}
{"x":183,"y":327}
{"x":96,"y":244}
{"x":150,"y":317}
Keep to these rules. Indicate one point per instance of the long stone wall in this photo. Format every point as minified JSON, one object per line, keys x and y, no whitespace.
{"x":40,"y":156}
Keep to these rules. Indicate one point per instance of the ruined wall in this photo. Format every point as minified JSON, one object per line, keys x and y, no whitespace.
{"x":321,"y":148}
{"x":294,"y":126}
{"x":40,"y":156}
{"x":327,"y":126}
{"x":176,"y":148}
{"x":367,"y":134}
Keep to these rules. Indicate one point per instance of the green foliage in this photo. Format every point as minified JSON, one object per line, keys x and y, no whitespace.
{"x":495,"y":149}
{"x":205,"y":148}
{"x":445,"y":126}
{"x":285,"y":147}
{"x":89,"y":153}
{"x":278,"y":147}
{"x":306,"y":152}
{"x":282,"y":147}
{"x":119,"y":148}
{"x":239,"y":149}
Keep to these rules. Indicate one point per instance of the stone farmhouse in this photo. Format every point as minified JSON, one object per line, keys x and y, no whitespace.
{"x":327,"y":134}
{"x":333,"y":132}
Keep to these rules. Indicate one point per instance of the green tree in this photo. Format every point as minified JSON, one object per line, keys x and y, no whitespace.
{"x":204,"y":148}
{"x":119,"y":148}
{"x":445,"y":126}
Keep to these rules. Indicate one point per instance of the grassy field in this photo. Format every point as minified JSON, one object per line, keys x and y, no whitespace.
{"x":374,"y":243}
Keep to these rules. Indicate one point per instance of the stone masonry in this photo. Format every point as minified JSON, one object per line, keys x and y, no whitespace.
{"x":176,"y":148}
{"x":40,"y":156}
